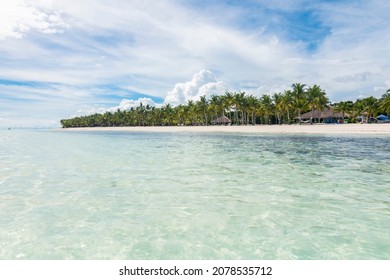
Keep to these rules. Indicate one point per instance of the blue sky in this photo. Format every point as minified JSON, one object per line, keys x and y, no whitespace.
{"x":60,"y":58}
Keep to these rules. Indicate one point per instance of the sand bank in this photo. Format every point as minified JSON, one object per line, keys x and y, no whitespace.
{"x":358,"y":129}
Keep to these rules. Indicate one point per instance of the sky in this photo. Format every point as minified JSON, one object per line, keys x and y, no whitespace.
{"x":64,"y":58}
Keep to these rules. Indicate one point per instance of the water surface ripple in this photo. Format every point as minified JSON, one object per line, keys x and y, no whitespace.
{"x":121,"y":195}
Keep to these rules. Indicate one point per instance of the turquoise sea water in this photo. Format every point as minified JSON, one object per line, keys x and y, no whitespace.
{"x":111,"y":195}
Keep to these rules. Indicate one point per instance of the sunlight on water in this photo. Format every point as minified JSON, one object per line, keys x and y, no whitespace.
{"x":106,"y":195}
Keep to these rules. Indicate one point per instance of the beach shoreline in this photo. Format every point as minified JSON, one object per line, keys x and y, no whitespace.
{"x":354,"y":129}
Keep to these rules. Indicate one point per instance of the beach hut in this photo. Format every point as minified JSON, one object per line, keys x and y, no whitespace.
{"x":221,"y":121}
{"x":328,"y":115}
{"x":316,"y":114}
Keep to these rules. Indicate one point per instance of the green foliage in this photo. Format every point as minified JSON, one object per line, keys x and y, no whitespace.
{"x":240,"y":108}
{"x":385,"y":103}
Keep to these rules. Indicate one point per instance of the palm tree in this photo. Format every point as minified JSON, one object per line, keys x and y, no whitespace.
{"x":316,"y":100}
{"x":278,"y":98}
{"x":228,"y":102}
{"x":140,"y":111}
{"x":357,"y":109}
{"x":240,"y":105}
{"x":224,"y":104}
{"x":268,"y":107}
{"x":260,"y":110}
{"x":214,"y":105}
{"x":299,"y":98}
{"x":202,"y":105}
{"x":167,"y":114}
{"x":191,"y":111}
{"x":371,"y":106}
{"x":253,"y":104}
{"x":385,"y":102}
{"x":181,"y":114}
{"x":152,"y":116}
{"x":344,"y":107}
{"x":287,"y":103}
{"x":235,"y":101}
{"x":107,"y":118}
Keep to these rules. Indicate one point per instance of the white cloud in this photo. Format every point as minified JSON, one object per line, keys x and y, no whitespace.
{"x":124,"y":105}
{"x":203,"y":83}
{"x":18,"y":17}
{"x":127,"y":104}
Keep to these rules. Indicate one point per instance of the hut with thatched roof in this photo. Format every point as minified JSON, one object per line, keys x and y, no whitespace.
{"x":328,"y":115}
{"x":221,"y":121}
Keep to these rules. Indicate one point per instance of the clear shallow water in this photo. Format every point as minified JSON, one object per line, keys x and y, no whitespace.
{"x":108,"y":195}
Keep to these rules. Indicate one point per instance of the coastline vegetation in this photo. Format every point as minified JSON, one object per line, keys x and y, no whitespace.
{"x":240,"y":109}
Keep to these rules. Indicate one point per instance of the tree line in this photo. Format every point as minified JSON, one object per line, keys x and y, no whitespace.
{"x":240,"y":108}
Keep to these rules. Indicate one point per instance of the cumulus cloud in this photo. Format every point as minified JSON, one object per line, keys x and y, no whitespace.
{"x":203,"y":83}
{"x":127,"y":104}
{"x":19,"y":17}
{"x":124,"y":105}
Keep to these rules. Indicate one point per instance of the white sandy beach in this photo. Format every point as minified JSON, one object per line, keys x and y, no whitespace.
{"x":358,"y":129}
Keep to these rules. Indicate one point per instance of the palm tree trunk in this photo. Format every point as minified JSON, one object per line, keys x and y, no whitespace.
{"x":288,"y":116}
{"x":299,"y":117}
{"x":311,"y":117}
